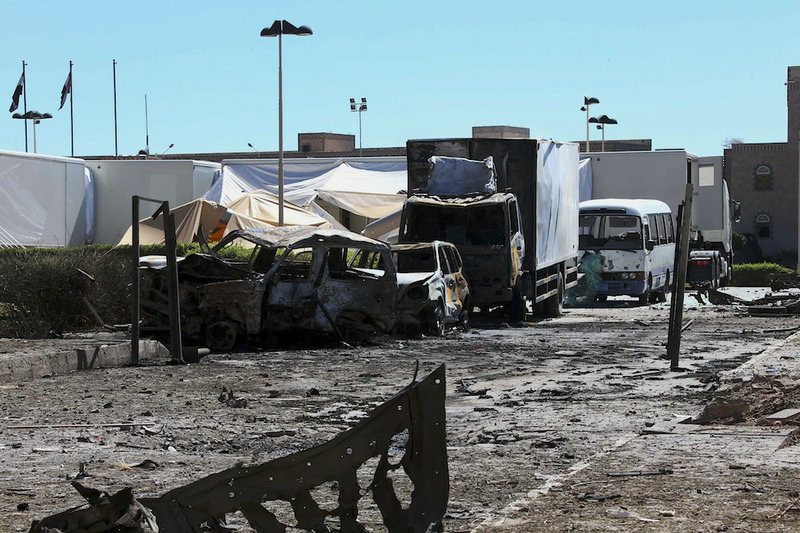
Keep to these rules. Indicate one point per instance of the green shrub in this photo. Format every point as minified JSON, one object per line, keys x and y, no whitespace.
{"x":756,"y":274}
{"x":42,"y":290}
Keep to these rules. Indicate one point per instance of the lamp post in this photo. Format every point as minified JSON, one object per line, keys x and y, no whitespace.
{"x":587,"y":101}
{"x":601,"y":122}
{"x":36,"y":117}
{"x":278,"y":29}
{"x":167,"y":149}
{"x":359,"y":107}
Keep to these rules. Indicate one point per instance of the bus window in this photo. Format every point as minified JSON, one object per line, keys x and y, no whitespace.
{"x":662,"y":231}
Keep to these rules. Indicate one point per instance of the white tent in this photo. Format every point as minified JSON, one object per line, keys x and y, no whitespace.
{"x":258,"y":209}
{"x":368,"y":187}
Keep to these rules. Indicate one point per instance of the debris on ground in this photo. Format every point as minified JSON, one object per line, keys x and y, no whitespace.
{"x":414,"y":419}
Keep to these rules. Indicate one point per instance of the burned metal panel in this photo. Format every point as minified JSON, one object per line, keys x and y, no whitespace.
{"x":418,"y":410}
{"x":238,"y":301}
{"x":106,"y":512}
{"x":332,"y":295}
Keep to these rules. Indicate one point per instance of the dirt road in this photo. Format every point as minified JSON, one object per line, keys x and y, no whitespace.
{"x":561,"y":425}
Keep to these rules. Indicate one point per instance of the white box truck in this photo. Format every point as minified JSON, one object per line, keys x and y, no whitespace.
{"x":45,"y":201}
{"x":177,"y":181}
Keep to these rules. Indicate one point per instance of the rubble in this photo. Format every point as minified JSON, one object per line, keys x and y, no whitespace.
{"x":405,"y":433}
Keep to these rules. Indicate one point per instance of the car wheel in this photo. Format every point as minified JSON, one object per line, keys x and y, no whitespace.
{"x":221,"y":336}
{"x":437,"y":321}
{"x":463,"y":319}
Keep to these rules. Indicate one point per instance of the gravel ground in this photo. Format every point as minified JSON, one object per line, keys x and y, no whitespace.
{"x":537,"y":418}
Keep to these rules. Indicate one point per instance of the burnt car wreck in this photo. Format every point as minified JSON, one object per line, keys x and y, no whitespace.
{"x":432,"y":290}
{"x":274,"y":281}
{"x":403,"y":436}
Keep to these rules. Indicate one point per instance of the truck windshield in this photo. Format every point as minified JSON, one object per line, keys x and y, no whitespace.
{"x":477,"y":226}
{"x":610,"y":232}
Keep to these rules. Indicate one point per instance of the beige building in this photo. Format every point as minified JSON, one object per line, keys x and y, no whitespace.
{"x":764,"y":178}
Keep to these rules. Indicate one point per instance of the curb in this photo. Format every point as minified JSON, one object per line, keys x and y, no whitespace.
{"x":780,"y":359}
{"x":33,"y":366}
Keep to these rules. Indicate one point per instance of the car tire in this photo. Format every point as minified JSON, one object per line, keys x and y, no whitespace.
{"x":221,"y":336}
{"x":463,"y":319}
{"x":436,"y":326}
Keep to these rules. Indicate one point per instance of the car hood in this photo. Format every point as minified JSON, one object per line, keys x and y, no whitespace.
{"x":405,"y":279}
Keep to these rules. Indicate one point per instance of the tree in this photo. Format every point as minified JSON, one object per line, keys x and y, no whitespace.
{"x":730,"y":141}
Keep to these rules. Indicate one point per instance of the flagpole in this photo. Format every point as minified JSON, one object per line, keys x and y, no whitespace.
{"x":71,"y":118}
{"x":116,"y":145}
{"x":25,"y":102}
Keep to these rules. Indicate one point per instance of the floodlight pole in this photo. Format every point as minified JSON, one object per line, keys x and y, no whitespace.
{"x":278,"y":28}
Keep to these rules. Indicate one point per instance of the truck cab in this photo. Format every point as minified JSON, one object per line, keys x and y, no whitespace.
{"x":487,"y":233}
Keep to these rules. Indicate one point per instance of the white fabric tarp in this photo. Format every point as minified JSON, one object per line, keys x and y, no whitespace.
{"x":556,"y":202}
{"x":386,"y":229}
{"x":258,"y":209}
{"x":456,"y":176}
{"x":366,"y":187}
{"x":585,"y":179}
{"x":42,"y":200}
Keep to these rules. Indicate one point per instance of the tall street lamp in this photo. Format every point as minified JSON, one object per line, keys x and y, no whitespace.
{"x":601,"y":122}
{"x":36,"y":117}
{"x":361,"y":106}
{"x":278,"y":29}
{"x":587,"y":101}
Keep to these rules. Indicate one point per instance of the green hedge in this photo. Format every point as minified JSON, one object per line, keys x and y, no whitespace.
{"x":756,"y":274}
{"x":42,"y":290}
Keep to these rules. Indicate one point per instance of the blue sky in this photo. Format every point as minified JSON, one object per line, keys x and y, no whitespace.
{"x":686,"y":74}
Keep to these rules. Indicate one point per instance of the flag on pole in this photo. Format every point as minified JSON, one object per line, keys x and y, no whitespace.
{"x":65,"y":90}
{"x":17,"y":93}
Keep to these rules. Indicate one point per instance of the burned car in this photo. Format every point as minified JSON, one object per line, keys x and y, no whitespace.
{"x":432,"y":290}
{"x":263,"y":282}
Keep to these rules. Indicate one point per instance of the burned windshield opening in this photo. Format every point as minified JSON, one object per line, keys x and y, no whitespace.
{"x":408,"y":261}
{"x":478,"y":225}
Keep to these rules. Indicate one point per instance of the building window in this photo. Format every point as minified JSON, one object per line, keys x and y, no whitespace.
{"x":763,"y":226}
{"x":305,"y":148}
{"x":763,"y":178}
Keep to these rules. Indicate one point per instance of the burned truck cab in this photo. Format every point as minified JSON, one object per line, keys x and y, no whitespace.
{"x":485,"y":230}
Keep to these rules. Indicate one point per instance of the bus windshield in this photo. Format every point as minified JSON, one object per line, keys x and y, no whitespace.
{"x":610,"y":232}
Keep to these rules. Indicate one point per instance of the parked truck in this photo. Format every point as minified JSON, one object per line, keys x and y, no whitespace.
{"x":663,"y":175}
{"x":519,"y":244}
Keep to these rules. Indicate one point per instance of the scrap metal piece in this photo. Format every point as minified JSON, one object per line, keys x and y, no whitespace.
{"x":418,"y":411}
{"x":115,"y":512}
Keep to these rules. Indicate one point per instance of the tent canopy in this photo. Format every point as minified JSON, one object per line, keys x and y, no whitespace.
{"x":366,"y":187}
{"x":258,"y":209}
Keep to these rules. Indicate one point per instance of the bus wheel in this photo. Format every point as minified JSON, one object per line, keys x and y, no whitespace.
{"x":644,"y":299}
{"x":662,"y":294}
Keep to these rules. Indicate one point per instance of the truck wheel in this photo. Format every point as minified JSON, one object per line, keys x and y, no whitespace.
{"x":517,"y":308}
{"x":554,"y":305}
{"x":220,"y":336}
{"x":436,"y":326}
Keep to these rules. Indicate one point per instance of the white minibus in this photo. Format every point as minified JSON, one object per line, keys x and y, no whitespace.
{"x":627,"y":247}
